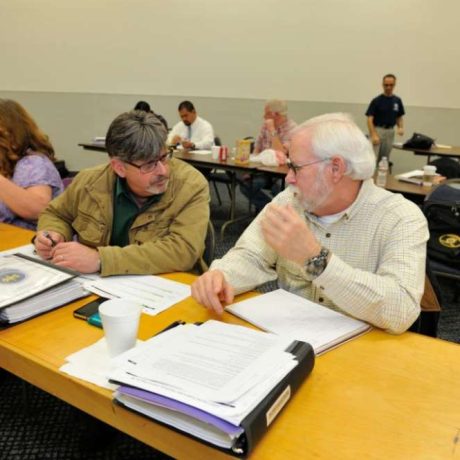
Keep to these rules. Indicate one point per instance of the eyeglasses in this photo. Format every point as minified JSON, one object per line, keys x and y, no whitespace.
{"x":388,"y":84}
{"x":147,"y":168}
{"x":296,"y":168}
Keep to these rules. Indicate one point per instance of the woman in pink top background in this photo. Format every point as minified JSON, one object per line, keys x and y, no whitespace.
{"x":28,"y":178}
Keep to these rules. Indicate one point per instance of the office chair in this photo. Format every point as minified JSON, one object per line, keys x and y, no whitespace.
{"x":447,"y":167}
{"x":427,"y":322}
{"x":209,"y":250}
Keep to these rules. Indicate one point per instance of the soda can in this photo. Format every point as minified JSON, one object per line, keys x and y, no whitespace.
{"x":223,"y":153}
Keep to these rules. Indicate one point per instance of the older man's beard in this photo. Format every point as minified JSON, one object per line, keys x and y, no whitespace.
{"x":318,"y":193}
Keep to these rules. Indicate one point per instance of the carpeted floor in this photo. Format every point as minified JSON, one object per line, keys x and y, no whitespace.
{"x":36,"y":426}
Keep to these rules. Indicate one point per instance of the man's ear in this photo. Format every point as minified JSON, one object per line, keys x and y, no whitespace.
{"x":118,"y":167}
{"x":338,"y":167}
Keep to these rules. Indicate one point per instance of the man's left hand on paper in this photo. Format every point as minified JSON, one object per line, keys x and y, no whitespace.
{"x":212,"y":290}
{"x":77,"y":257}
{"x":288,"y":234}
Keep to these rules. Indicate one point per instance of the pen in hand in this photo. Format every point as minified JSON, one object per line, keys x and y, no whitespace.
{"x":47,"y":235}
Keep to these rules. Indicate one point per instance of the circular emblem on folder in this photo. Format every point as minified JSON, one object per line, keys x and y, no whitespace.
{"x":450,"y":240}
{"x":11,"y":276}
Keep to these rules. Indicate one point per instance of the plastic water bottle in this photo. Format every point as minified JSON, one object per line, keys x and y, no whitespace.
{"x":382,"y":172}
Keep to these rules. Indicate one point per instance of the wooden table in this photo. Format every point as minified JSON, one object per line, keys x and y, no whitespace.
{"x":376,"y":397}
{"x":450,"y":152}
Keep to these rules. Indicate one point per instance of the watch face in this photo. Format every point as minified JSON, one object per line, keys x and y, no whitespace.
{"x":316,"y":265}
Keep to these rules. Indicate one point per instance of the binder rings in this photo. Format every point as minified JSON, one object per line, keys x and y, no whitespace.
{"x":236,"y":440}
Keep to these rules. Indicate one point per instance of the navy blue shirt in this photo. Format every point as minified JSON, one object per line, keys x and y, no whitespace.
{"x":385,"y":110}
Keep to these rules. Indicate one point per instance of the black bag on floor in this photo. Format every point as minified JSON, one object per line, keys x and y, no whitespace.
{"x":442,"y":210}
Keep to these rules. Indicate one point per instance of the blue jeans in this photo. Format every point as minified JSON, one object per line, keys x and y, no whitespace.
{"x":259,"y":189}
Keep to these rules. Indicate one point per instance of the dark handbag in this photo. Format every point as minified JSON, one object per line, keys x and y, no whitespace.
{"x":419,"y":141}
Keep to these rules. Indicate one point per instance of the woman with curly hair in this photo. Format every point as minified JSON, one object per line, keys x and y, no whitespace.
{"x":28,"y":178}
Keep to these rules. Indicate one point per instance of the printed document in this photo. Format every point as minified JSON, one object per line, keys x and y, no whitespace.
{"x":290,"y":315}
{"x":154,"y":293}
{"x":220,"y":368}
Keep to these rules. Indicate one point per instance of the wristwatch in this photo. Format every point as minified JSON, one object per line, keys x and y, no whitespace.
{"x":316,"y":265}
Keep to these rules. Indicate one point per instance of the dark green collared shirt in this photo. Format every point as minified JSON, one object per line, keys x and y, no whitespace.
{"x":125,"y":211}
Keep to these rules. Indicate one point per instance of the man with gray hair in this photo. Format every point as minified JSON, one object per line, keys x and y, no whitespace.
{"x":275,"y":134}
{"x":332,"y":237}
{"x":143,"y":213}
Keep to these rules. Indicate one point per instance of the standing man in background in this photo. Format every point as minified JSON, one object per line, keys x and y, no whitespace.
{"x":193,"y":132}
{"x":384,"y":112}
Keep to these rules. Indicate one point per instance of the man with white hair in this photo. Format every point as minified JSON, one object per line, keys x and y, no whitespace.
{"x":332,"y":237}
{"x":275,"y":134}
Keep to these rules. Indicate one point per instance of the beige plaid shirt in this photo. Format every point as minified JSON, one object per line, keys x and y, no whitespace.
{"x":377,"y":268}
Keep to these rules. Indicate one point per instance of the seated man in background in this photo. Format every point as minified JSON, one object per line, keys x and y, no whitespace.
{"x":332,"y":237}
{"x":29,"y":179}
{"x":143,"y":213}
{"x":275,"y":134}
{"x":193,"y":132}
{"x":145,"y":106}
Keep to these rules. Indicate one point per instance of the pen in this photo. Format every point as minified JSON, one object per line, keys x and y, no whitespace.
{"x":47,"y":235}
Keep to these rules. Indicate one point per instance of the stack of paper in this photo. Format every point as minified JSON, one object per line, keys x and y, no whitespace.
{"x":207,"y":380}
{"x":292,"y":316}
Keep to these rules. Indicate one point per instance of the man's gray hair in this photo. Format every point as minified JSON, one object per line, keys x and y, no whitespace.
{"x":136,"y":136}
{"x":277,"y":106}
{"x":337,"y":134}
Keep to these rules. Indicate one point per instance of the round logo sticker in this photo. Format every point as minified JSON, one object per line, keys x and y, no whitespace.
{"x":11,"y":276}
{"x":450,"y":240}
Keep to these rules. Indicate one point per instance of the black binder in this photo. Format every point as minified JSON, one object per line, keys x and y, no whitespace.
{"x":258,"y":421}
{"x":35,"y":301}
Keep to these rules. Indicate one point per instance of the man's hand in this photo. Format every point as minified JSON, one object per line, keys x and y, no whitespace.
{"x":211,"y":290}
{"x":400,"y":131}
{"x":77,"y":257}
{"x":288,"y":234}
{"x":375,"y":139}
{"x":270,"y":124}
{"x":188,"y":145}
{"x":176,"y":140}
{"x":45,"y":242}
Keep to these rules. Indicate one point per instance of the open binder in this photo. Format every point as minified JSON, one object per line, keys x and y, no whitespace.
{"x":30,"y":286}
{"x":236,"y":439}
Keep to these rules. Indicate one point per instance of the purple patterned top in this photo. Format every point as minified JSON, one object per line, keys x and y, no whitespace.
{"x":33,"y":169}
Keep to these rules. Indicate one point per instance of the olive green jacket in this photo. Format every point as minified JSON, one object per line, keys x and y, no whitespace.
{"x":167,"y":237}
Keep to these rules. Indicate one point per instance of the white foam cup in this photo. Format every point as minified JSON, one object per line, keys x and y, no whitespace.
{"x":429,"y":173}
{"x":120,"y":321}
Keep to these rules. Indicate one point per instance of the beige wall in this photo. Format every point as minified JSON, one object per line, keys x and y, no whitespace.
{"x":76,"y":65}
